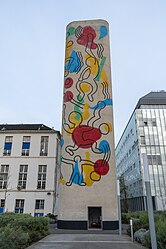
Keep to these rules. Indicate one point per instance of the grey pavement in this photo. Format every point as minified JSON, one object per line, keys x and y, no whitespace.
{"x":86,"y":241}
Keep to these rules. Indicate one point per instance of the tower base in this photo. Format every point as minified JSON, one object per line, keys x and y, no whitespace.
{"x":83,"y":225}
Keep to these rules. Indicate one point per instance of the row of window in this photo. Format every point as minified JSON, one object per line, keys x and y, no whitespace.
{"x":22,"y":178}
{"x":136,"y":184}
{"x":25,"y":146}
{"x":19,"y":206}
{"x":134,"y":145}
{"x":154,"y":159}
{"x":125,"y":141}
{"x":129,"y":169}
{"x":125,"y":157}
{"x":153,"y":107}
{"x":147,"y":122}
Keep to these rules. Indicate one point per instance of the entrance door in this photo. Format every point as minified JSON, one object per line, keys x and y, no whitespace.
{"x":94,"y":218}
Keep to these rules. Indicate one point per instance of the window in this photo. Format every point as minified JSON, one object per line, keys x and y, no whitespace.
{"x":154,"y":159}
{"x":41,"y":182}
{"x":2,"y":205}
{"x":25,"y":146}
{"x":3,"y":176}
{"x":140,"y":182}
{"x":135,"y":144}
{"x":23,"y":176}
{"x":44,"y":146}
{"x":142,"y":139}
{"x":39,"y":208}
{"x":149,"y":159}
{"x":159,"y":161}
{"x":8,"y":146}
{"x":154,"y":122}
{"x":19,"y":208}
{"x":39,"y":204}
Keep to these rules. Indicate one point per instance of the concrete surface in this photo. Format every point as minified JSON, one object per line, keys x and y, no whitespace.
{"x":86,"y":241}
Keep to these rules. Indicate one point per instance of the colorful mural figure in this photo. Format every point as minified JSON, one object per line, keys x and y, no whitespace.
{"x":86,"y":150}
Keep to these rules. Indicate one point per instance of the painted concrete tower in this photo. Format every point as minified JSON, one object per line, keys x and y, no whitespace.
{"x":87,"y":193}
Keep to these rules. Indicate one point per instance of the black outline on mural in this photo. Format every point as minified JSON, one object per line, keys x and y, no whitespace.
{"x":85,"y":77}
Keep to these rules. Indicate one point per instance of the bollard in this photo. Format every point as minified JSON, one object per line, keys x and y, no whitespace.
{"x":131,"y":227}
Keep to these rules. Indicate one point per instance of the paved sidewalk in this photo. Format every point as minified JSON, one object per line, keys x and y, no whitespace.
{"x":86,"y":241}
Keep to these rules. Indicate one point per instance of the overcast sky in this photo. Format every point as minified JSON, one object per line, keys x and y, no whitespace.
{"x":32,"y":44}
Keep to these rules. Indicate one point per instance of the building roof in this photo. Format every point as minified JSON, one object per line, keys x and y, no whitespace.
{"x":152,"y":98}
{"x":25,"y":127}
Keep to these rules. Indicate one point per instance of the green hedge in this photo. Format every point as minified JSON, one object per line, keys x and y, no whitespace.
{"x":17,"y":231}
{"x":142,"y":215}
{"x":160,"y":227}
{"x":140,"y":220}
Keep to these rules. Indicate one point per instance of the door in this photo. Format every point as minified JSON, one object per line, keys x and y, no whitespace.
{"x":94,"y":218}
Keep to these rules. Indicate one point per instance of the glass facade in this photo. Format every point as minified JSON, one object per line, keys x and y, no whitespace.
{"x":129,"y":167}
{"x":148,"y":126}
{"x":152,"y":125}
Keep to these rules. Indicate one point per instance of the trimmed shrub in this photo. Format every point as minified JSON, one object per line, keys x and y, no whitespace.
{"x":6,"y":218}
{"x":160,"y":235}
{"x":140,"y":236}
{"x":38,"y":228}
{"x":51,"y":218}
{"x":13,"y":238}
{"x":126,"y":218}
{"x":143,"y":217}
{"x":137,"y":224}
{"x":140,"y":220}
{"x":23,"y":229}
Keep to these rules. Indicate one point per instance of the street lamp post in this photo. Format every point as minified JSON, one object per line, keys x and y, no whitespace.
{"x":119,"y":208}
{"x":149,"y":202}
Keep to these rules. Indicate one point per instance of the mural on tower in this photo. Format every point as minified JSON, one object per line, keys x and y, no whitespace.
{"x":87,"y":106}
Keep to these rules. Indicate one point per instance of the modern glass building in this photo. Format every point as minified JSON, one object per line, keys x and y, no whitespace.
{"x":144,"y":133}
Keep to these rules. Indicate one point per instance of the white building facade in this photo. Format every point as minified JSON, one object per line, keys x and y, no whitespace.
{"x":144,"y":133}
{"x":29,"y":156}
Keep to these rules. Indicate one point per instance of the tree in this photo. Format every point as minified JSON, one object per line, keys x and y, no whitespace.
{"x":7,"y":190}
{"x":123,"y":193}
